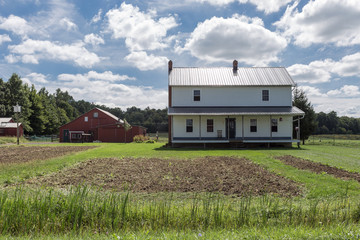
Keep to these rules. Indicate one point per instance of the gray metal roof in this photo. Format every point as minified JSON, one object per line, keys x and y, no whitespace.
{"x":294,"y":111}
{"x":5,"y":119}
{"x":247,"y":76}
{"x":8,"y":125}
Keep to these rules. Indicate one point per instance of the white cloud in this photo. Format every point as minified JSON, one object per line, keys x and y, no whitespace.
{"x":239,"y":37}
{"x":93,"y":39}
{"x":345,"y":91}
{"x":68,"y":25}
{"x":35,"y":78}
{"x":321,"y":71}
{"x":323,"y":21}
{"x":140,"y":30}
{"x":145,"y":62}
{"x":345,"y":101}
{"x":106,"y":76}
{"x":100,"y":88}
{"x":32,"y":51}
{"x":4,"y":38}
{"x":16,"y":24}
{"x":97,"y":17}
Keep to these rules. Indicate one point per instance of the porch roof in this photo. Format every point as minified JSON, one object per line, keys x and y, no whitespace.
{"x":224,"y":111}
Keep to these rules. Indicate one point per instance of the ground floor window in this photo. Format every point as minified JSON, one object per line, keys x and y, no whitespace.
{"x":189,"y":125}
{"x":274,"y":125}
{"x":210,"y":125}
{"x":253,"y":125}
{"x":76,"y":136}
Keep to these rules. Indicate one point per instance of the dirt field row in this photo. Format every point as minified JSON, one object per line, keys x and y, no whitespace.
{"x":228,"y":175}
{"x":318,"y":167}
{"x":21,"y":154}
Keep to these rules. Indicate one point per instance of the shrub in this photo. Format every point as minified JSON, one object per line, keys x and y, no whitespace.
{"x":140,"y":138}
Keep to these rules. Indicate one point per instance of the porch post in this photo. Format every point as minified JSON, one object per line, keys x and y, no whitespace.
{"x":200,"y":127}
{"x":270,"y":128}
{"x":228,"y":127}
{"x":298,"y":133}
{"x":242,"y":127}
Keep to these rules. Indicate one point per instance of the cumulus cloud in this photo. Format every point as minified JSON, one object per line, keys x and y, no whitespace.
{"x":141,"y":31}
{"x":106,"y":76}
{"x":238,"y":37}
{"x":97,"y":17}
{"x":4,"y":38}
{"x":345,"y":101}
{"x":322,"y":71}
{"x":102,"y":89}
{"x":93,"y":39}
{"x":16,"y":25}
{"x":35,"y":78}
{"x":68,"y":25}
{"x":146,"y":62}
{"x":31,"y":51}
{"x":322,"y":21}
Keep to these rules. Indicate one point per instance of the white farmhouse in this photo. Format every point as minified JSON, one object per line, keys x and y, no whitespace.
{"x":231,"y":105}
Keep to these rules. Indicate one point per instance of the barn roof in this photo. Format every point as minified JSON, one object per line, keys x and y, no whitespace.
{"x":232,"y":111}
{"x":225,"y":76}
{"x":111,"y":115}
{"x":8,"y":125}
{"x":5,"y":119}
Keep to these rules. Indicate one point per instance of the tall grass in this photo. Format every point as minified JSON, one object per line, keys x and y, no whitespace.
{"x":81,"y":209}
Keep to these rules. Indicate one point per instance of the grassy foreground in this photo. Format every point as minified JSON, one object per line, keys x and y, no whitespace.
{"x":328,"y":209}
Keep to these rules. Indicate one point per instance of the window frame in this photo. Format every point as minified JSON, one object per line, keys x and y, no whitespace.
{"x":86,"y":119}
{"x":196,"y":95}
{"x":189,"y":125}
{"x":95,"y":114}
{"x":210,"y":125}
{"x":265,"y":95}
{"x":253,"y":127}
{"x":274,"y":125}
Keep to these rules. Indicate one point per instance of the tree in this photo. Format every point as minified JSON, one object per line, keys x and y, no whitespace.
{"x":308,"y":123}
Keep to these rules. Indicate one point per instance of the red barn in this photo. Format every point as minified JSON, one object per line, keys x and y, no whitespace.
{"x":98,"y":125}
{"x":8,"y":127}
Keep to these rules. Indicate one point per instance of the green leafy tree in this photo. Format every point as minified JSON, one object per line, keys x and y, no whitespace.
{"x":38,"y":119}
{"x":308,"y":123}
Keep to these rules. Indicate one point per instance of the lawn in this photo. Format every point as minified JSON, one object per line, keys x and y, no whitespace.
{"x":327,"y":207}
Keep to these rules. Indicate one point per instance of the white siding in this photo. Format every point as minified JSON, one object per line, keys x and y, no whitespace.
{"x":231,"y":96}
{"x":219,"y":124}
{"x":179,"y":126}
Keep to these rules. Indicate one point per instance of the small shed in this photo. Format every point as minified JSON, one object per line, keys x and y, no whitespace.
{"x":8,"y":127}
{"x":98,"y":125}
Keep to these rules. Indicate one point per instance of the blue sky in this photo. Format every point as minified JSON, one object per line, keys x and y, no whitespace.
{"x":116,"y":53}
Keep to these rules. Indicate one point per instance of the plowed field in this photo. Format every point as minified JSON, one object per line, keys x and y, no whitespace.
{"x":21,"y":154}
{"x":318,"y":167}
{"x":228,"y":175}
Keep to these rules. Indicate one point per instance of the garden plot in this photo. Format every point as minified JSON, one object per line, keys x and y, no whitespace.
{"x":229,"y":175}
{"x":21,"y":154}
{"x":318,"y":167}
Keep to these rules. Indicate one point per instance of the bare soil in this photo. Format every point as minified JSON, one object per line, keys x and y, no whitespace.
{"x":228,"y":175}
{"x":318,"y":167}
{"x":21,"y":154}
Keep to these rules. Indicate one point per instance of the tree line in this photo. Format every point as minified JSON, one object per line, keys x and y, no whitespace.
{"x":42,"y":113}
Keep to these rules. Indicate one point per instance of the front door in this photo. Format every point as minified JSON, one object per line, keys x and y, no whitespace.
{"x":230,"y":128}
{"x":66,"y":135}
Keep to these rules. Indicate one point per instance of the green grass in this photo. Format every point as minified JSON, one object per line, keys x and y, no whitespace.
{"x":5,"y":140}
{"x":328,"y":209}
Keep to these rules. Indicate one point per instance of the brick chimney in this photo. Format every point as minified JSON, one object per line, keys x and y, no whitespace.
{"x":170,"y":66}
{"x":235,"y":66}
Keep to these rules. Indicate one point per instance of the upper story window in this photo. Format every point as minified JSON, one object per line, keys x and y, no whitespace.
{"x":265,"y":95}
{"x":210,"y":125}
{"x":86,"y":119}
{"x":196,"y":95}
{"x":189,"y":125}
{"x":274,"y":125}
{"x":96,"y":114}
{"x":253,"y":125}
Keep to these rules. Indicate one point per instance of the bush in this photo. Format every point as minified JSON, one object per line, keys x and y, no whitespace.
{"x":140,"y":138}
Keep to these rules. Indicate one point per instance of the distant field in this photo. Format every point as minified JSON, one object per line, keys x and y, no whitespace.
{"x":145,"y":190}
